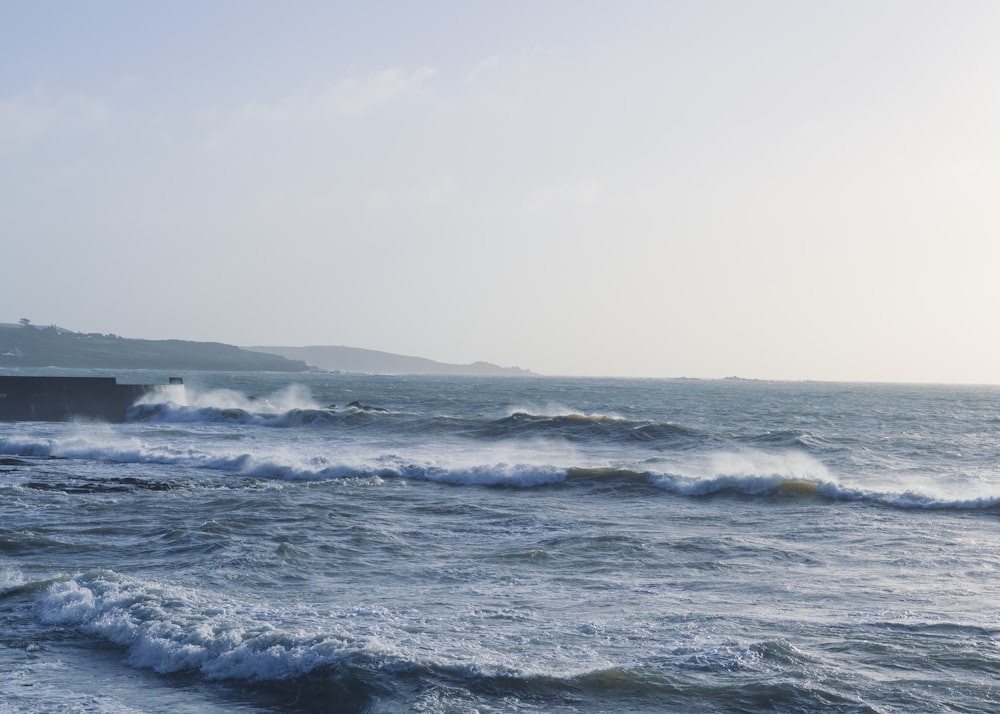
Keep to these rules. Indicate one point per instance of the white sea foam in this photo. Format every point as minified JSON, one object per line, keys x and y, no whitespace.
{"x":750,"y":472}
{"x":168,"y":628}
{"x":38,"y":687}
{"x":294,"y":396}
{"x":500,"y":474}
{"x":279,"y":408}
{"x":755,"y":473}
{"x":10,"y":574}
{"x":552,"y":410}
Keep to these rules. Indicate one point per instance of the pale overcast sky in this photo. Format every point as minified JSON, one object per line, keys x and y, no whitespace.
{"x":789,"y":190}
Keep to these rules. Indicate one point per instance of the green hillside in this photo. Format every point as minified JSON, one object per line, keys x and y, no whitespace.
{"x":27,"y":345}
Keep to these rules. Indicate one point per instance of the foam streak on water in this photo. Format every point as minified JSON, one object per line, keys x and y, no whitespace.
{"x":346,"y":543}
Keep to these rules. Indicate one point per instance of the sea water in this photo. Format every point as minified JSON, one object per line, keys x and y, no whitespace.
{"x":343,"y":543}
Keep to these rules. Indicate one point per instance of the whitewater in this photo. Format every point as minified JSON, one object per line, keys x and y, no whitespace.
{"x":348,"y":543}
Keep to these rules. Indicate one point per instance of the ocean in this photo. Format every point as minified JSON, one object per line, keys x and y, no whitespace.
{"x":342,"y":543}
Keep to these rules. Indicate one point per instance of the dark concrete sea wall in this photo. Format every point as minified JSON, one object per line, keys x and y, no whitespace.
{"x":64,"y":398}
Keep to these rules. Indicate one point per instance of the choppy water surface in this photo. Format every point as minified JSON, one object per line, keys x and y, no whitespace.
{"x":495,"y":545}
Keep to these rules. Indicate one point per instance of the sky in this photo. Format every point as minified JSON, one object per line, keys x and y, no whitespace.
{"x":765,"y":189}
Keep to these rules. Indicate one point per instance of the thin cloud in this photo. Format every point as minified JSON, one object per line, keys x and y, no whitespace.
{"x":485,"y":66}
{"x":523,"y":61}
{"x":25,"y":120}
{"x":351,"y":96}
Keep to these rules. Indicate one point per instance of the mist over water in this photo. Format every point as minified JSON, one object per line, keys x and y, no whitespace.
{"x":348,"y":543}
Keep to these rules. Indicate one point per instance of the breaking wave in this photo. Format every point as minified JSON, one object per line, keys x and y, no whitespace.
{"x":172,"y":629}
{"x":168,"y":413}
{"x":295,"y":408}
{"x":738,"y":474}
{"x":289,"y":407}
{"x":362,"y":654}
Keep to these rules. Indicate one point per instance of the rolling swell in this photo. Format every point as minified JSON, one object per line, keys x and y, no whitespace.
{"x":790,"y":438}
{"x":573,"y":428}
{"x":586,"y":428}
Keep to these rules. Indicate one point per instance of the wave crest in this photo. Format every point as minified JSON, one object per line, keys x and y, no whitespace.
{"x":172,"y":629}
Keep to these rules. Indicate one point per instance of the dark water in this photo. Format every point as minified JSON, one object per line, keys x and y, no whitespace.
{"x":495,"y":545}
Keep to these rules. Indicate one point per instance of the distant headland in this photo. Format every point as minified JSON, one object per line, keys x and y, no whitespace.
{"x":25,"y":345}
{"x":354,"y":359}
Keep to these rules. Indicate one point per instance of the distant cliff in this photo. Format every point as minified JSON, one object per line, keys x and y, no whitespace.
{"x":27,"y":345}
{"x":353,"y":359}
